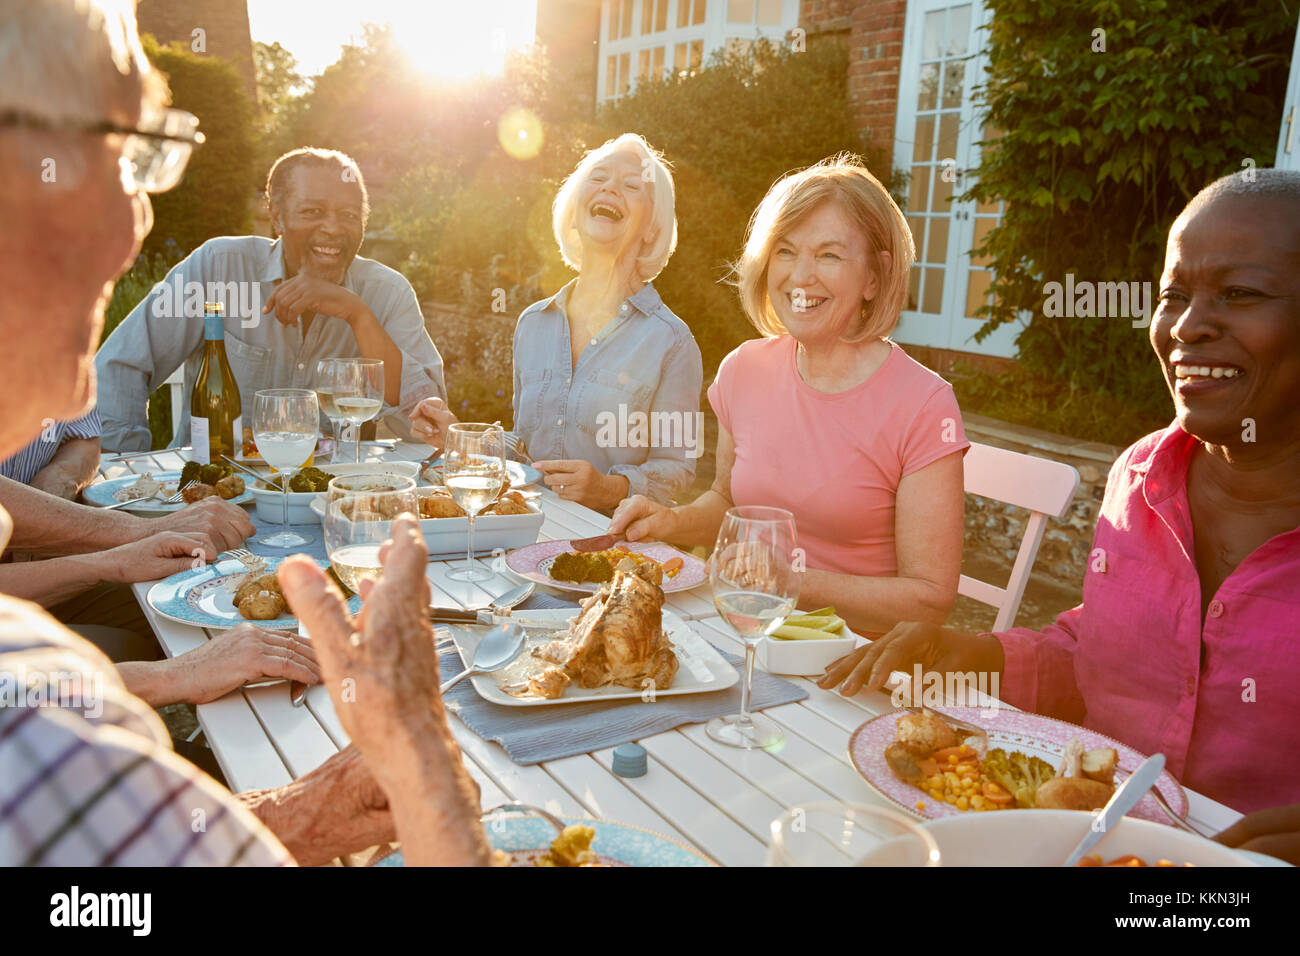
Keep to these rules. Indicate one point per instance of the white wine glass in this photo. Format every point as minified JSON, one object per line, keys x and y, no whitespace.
{"x":849,"y":834}
{"x":329,"y":379}
{"x":755,"y":588}
{"x":474,"y":471}
{"x":286,"y":423}
{"x":359,"y":393}
{"x":359,"y":515}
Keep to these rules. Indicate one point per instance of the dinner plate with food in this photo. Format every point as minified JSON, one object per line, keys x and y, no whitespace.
{"x":529,"y":841}
{"x":228,"y":593}
{"x":955,"y":760}
{"x":557,"y":564}
{"x":520,"y":474}
{"x":618,"y":644}
{"x":148,"y":492}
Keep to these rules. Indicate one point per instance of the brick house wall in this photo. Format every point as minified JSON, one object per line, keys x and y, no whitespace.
{"x":224,"y":23}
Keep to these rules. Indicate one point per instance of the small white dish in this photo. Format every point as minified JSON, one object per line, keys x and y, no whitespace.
{"x":803,"y":658}
{"x":270,"y":502}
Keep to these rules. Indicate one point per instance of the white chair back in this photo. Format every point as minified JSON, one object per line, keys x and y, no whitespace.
{"x":1044,"y":487}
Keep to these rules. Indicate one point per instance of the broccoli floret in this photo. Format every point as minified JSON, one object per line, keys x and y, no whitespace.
{"x":190,"y":472}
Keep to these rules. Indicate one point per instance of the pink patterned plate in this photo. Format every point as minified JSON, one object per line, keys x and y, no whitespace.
{"x":533,"y":562}
{"x":1031,"y":734}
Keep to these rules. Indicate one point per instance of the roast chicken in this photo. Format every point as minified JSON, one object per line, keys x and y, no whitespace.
{"x":618,"y":636}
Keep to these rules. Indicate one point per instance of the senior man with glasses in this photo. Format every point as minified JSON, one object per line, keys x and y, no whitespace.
{"x":290,"y":302}
{"x":87,"y":776}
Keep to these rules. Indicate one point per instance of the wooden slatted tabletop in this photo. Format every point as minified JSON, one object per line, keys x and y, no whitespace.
{"x":717,"y":799}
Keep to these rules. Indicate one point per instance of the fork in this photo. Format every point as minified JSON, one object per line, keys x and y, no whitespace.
{"x":170,"y":500}
{"x":179,"y":495}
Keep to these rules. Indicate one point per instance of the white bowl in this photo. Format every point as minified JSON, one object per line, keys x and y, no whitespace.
{"x":803,"y":658}
{"x":1046,"y":837}
{"x":447,"y":537}
{"x":270,"y":502}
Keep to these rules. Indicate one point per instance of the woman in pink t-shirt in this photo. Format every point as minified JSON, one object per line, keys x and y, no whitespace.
{"x":827,"y":418}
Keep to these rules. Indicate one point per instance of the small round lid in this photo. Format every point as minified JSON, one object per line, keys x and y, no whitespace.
{"x":630,"y":760}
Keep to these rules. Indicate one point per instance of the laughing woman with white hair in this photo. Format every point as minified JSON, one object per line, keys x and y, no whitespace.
{"x":601,"y":361}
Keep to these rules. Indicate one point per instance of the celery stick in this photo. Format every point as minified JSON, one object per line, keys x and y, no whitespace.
{"x":791,"y":632}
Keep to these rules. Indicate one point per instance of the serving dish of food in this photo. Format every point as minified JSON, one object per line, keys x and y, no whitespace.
{"x":557,"y":564}
{"x":308,"y":484}
{"x":922,"y":763}
{"x":510,"y":522}
{"x":228,"y":593}
{"x":531,"y":841}
{"x":1046,"y":837}
{"x":520,"y":474}
{"x":620,"y":644}
{"x":149,"y":490}
{"x":806,"y":644}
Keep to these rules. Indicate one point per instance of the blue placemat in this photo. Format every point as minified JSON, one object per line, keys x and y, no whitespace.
{"x":533,"y":734}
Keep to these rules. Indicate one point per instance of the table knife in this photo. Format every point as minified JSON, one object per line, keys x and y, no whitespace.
{"x":1121,"y":802}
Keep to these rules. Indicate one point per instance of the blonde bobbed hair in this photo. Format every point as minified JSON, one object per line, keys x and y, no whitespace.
{"x":844,"y":180}
{"x":663,"y":216}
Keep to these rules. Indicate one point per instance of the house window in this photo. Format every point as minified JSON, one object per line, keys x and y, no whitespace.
{"x":626,"y":19}
{"x":657,"y":63}
{"x":688,"y":57}
{"x":654,"y":16}
{"x":690,"y":12}
{"x":764,"y":13}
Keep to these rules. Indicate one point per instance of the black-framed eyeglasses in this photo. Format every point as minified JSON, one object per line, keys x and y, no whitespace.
{"x":157,"y":155}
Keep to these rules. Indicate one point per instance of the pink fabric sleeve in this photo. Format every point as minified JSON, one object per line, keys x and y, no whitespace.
{"x":936,"y":431}
{"x":1038,"y":675}
{"x":720,"y":390}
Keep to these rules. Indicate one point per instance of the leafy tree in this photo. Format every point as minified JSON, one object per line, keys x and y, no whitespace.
{"x":215,"y":196}
{"x":1099,"y":151}
{"x":278,"y":79}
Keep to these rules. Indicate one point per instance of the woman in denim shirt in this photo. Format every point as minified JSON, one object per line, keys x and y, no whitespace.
{"x":607,"y":379}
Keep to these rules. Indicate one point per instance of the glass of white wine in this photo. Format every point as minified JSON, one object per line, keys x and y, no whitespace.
{"x":848,"y":834}
{"x":755,"y":588}
{"x":286,"y":423}
{"x":359,"y":515}
{"x":360,"y":394}
{"x":474,"y":470}
{"x":329,"y":379}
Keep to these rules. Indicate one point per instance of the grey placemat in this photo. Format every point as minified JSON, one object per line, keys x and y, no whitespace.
{"x":533,"y":734}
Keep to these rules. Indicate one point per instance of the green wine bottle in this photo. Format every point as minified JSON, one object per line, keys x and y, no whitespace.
{"x":215,"y":426}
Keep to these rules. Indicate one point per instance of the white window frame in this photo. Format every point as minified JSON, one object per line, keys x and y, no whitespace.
{"x":715,"y":31}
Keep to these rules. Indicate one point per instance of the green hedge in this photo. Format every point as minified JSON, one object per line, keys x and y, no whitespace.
{"x":1100,"y":151}
{"x":215,"y":197}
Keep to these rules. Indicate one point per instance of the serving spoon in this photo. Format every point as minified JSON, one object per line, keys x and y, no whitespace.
{"x":499,"y":647}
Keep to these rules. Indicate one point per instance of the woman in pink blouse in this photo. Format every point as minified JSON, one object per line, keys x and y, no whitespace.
{"x":1188,"y":638}
{"x":827,"y":418}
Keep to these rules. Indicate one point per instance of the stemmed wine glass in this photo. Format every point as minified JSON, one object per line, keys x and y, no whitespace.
{"x":328,"y":380}
{"x":474,"y":470}
{"x":755,"y":588}
{"x":286,"y":422}
{"x":355,"y":388}
{"x":359,"y":515}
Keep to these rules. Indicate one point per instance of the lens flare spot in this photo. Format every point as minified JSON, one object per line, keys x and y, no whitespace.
{"x":520,"y":133}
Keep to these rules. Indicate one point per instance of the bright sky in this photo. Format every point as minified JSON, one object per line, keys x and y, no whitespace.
{"x":449,"y":38}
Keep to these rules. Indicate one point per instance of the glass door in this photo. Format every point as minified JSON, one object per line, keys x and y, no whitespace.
{"x":936,"y":135}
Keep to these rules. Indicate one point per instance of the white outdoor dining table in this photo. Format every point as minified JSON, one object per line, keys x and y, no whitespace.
{"x":719,"y":800}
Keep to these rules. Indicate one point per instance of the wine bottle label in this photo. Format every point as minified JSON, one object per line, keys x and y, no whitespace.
{"x":237,"y":438}
{"x":199,"y":440}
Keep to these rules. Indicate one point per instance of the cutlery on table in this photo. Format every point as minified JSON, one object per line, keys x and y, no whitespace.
{"x":600,"y":542}
{"x":499,"y":647}
{"x":240,"y":466}
{"x":173,"y":499}
{"x":1124,"y":799}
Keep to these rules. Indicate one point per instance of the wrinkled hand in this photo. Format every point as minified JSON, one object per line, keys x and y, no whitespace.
{"x":224,"y":524}
{"x":335,"y":809}
{"x":431,"y":419}
{"x":244,"y":653}
{"x":157,"y":556}
{"x":935,"y":648}
{"x":306,"y":295}
{"x":386,"y":654}
{"x":579,"y":481}
{"x":1275,"y":831}
{"x":641,"y":519}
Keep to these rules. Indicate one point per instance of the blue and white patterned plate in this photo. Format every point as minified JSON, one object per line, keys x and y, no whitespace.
{"x":199,"y":597}
{"x":101,"y":494}
{"x":616,"y":844}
